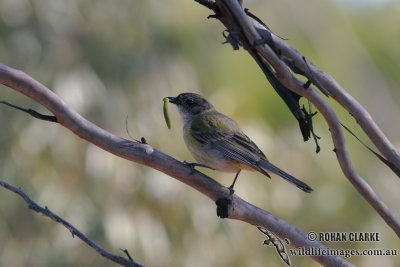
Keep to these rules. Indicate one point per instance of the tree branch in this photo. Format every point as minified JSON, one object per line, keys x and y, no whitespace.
{"x":328,"y":83}
{"x":146,"y":155}
{"x":259,"y":41}
{"x":74,"y":231}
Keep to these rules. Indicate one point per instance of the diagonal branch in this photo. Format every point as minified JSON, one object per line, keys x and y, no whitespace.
{"x":283,"y":58}
{"x":328,"y":83}
{"x":146,"y":155}
{"x":74,"y":231}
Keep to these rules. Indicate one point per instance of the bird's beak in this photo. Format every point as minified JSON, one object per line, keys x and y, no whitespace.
{"x":173,"y":100}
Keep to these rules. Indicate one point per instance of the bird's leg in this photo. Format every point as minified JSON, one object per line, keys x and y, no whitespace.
{"x":192,"y":165}
{"x":231,"y":191}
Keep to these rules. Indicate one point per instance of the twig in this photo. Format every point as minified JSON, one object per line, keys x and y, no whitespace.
{"x":74,"y":231}
{"x":31,"y":112}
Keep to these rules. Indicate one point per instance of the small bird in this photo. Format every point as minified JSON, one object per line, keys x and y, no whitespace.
{"x":217,"y":142}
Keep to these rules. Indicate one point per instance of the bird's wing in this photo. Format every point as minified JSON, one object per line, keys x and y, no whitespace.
{"x":223,"y":134}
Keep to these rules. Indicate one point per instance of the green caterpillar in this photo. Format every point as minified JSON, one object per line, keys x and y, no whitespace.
{"x":166,"y":114}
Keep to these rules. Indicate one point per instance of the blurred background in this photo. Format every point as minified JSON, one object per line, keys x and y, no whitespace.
{"x":114,"y":61}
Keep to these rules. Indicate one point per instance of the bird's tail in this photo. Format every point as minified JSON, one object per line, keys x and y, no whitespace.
{"x":267,"y":166}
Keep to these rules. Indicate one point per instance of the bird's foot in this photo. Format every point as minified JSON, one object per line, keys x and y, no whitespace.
{"x":192,"y":165}
{"x":231,"y":190}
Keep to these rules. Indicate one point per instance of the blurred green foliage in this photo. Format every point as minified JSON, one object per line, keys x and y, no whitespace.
{"x":112,"y":60}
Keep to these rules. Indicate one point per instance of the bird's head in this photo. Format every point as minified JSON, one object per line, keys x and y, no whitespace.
{"x":190,"y":104}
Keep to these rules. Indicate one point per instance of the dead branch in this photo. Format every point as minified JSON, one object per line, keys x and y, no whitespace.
{"x":74,"y":231}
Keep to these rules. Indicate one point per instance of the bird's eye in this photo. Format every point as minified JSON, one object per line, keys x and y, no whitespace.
{"x":189,"y":102}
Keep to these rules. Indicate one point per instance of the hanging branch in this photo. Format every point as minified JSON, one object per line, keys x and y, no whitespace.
{"x":145,"y":154}
{"x":271,"y":52}
{"x":74,"y":231}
